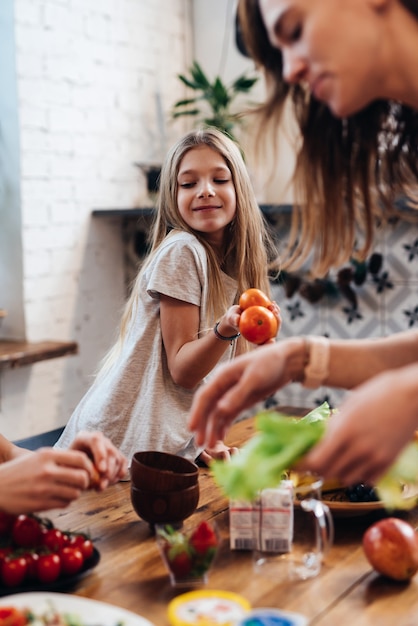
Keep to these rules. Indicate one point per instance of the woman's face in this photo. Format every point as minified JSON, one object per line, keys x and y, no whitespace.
{"x":206,"y":195}
{"x":335,"y":47}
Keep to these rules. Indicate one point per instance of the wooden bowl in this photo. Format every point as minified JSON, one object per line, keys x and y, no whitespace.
{"x":165,"y":507}
{"x":160,"y":471}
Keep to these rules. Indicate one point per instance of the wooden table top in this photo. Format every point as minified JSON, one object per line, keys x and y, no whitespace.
{"x":131,"y":574}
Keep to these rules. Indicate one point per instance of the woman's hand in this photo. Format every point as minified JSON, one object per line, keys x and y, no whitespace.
{"x":240,"y":384}
{"x":108,"y":461}
{"x":46,"y":479}
{"x":51,"y":478}
{"x":369,"y":431}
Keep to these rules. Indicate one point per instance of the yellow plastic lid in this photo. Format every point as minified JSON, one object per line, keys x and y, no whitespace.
{"x":208,"y":607}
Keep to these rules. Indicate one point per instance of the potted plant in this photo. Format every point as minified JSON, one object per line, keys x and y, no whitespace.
{"x":217,"y":97}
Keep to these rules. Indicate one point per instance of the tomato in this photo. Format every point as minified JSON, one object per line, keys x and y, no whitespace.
{"x":11,"y":616}
{"x":253,"y":297}
{"x":6,"y":523}
{"x":53,"y":539}
{"x":72,"y":560}
{"x":48,"y":568}
{"x":32,"y":565}
{"x":258,"y":324}
{"x":84,"y":544}
{"x":26,"y":531}
{"x":3,"y":553}
{"x":13,"y":570}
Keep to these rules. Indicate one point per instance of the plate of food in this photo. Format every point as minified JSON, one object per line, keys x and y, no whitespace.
{"x":37,"y":556}
{"x":359,"y":499}
{"x":63,"y":582}
{"x":47,"y":608}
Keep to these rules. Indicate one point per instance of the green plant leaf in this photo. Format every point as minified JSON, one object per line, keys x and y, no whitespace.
{"x":191,"y":112}
{"x":185,"y":102}
{"x":220,"y":95}
{"x":243,"y":84}
{"x":199,"y":76}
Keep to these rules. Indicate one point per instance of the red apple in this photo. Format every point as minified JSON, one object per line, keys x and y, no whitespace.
{"x":391,"y":547}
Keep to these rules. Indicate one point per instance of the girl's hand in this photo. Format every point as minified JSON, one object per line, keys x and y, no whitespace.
{"x":231,"y":319}
{"x":218,"y":451}
{"x":275,"y":309}
{"x":108,"y":461}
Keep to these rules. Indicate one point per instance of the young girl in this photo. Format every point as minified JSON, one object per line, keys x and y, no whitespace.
{"x":209,"y":244}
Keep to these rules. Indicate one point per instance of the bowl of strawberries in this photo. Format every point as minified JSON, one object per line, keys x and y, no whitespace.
{"x":188,"y":551}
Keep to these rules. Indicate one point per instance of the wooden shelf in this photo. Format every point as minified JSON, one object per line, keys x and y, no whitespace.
{"x":17,"y":353}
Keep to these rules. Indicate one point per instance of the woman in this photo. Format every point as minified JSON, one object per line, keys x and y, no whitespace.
{"x":49,"y":479}
{"x":349,"y":68}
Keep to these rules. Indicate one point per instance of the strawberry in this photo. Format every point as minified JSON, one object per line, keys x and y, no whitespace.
{"x":188,"y":555}
{"x":203,"y":538}
{"x":181,"y":565}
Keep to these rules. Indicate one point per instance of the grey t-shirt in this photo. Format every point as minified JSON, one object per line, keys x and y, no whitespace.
{"x":136,"y":403}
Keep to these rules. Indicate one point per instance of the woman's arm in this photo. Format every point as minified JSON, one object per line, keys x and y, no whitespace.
{"x":9,"y":450}
{"x":252,"y":377}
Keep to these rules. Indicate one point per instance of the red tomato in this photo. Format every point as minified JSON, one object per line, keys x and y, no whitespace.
{"x":84,"y":544}
{"x":10,"y":616}
{"x":26,"y":531}
{"x":53,"y":539}
{"x":253,"y":297}
{"x":32,"y":565}
{"x":3,"y":553}
{"x":6,"y":523}
{"x":13,"y":570}
{"x":72,"y":560}
{"x":48,"y":568}
{"x":258,"y":324}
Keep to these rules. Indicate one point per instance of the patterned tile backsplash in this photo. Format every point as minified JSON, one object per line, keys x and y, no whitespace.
{"x":387,"y":302}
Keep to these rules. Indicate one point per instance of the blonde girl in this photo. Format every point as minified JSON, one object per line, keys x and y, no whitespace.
{"x":209,"y":243}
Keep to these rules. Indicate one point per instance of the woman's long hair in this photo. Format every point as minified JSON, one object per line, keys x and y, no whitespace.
{"x":349,"y":172}
{"x":251,"y":251}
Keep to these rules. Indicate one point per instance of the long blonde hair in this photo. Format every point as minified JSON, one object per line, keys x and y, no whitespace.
{"x":251,"y":251}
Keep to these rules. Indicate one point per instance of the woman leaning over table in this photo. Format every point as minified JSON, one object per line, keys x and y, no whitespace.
{"x":349,"y":69}
{"x":49,"y":479}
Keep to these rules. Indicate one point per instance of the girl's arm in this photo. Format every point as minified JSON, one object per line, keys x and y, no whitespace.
{"x":190,"y":357}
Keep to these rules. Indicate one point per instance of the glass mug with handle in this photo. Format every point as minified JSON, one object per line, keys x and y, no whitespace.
{"x":292,"y":530}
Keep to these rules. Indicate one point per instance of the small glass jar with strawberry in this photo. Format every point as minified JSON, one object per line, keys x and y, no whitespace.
{"x":188,"y":552}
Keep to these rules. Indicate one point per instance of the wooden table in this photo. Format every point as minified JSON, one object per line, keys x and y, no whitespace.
{"x":132,"y":575}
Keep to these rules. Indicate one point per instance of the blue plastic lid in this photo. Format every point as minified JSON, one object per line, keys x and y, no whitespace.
{"x":272,"y":617}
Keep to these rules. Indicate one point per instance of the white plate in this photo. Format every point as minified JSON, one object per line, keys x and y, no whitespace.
{"x":90,"y":611}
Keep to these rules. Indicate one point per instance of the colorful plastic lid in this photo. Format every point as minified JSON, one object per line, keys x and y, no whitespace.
{"x":207,"y":607}
{"x":272,"y":617}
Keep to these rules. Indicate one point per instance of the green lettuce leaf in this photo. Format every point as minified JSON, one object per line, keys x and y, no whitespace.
{"x":281,"y":441}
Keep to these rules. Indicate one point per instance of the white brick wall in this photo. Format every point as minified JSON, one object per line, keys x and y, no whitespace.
{"x":89,"y":76}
